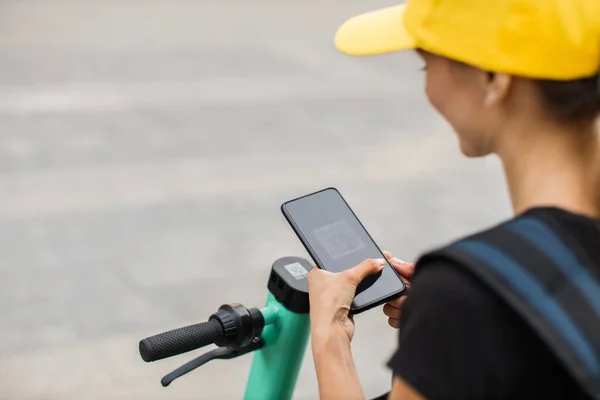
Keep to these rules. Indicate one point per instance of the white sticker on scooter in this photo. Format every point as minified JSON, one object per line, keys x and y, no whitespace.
{"x":297,"y":270}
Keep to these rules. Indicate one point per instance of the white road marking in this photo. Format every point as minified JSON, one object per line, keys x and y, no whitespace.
{"x":107,"y":96}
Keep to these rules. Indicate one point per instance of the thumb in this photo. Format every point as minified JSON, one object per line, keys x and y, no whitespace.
{"x":366,"y":268}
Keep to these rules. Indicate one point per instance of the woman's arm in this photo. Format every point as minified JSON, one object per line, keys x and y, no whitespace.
{"x":336,"y":373}
{"x":332,"y":328}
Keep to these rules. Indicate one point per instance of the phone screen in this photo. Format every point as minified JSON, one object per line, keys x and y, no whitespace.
{"x":337,"y":240}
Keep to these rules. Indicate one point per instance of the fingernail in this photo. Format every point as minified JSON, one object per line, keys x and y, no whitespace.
{"x":396,"y":261}
{"x":380,"y":261}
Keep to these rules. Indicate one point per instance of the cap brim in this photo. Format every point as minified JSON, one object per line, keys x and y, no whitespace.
{"x":376,"y":32}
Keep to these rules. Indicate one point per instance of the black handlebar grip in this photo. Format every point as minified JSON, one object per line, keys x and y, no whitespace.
{"x":181,"y":340}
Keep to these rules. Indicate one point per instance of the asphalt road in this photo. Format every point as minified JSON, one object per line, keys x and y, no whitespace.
{"x":146,"y":147}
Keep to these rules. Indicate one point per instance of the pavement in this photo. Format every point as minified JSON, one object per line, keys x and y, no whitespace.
{"x":146,"y":147}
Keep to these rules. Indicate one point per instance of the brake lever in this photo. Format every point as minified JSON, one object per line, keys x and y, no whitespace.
{"x":223,"y":353}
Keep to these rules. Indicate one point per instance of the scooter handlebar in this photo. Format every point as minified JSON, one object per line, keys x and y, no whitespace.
{"x":181,"y":340}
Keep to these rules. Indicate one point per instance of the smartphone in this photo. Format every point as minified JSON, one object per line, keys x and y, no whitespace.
{"x":336,"y":240}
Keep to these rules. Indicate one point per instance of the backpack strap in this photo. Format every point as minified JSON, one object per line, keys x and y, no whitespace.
{"x":549,"y":282}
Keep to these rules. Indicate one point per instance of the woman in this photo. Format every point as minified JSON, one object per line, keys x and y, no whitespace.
{"x":514,"y":78}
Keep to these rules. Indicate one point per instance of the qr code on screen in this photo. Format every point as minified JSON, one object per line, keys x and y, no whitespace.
{"x":338,"y":239}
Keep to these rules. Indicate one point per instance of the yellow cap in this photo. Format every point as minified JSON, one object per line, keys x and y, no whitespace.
{"x":544,"y":39}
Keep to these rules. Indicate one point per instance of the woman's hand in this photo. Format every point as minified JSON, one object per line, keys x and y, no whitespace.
{"x":393,"y":309}
{"x":331,"y":296}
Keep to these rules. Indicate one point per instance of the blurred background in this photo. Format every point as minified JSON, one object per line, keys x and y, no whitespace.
{"x":146,"y":147}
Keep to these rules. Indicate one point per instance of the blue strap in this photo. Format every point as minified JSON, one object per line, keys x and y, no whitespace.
{"x":548,"y":242}
{"x":536,"y":295}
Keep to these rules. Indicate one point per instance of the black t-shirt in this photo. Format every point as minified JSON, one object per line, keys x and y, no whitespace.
{"x":459,"y":340}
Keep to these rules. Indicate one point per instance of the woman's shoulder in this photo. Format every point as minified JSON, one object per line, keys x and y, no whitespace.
{"x":495,"y":293}
{"x":517,"y":264}
{"x":458,"y":337}
{"x":536,"y":237}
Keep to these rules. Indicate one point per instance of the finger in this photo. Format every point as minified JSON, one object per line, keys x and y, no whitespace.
{"x":387,"y":255}
{"x":391,"y":312}
{"x":405,"y":269}
{"x":394,"y":323}
{"x":397,"y":303}
{"x":364,"y":269}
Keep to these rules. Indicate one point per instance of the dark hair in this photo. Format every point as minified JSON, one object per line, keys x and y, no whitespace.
{"x":574,"y":101}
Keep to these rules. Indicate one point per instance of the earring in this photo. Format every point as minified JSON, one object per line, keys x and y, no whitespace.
{"x":490,"y":98}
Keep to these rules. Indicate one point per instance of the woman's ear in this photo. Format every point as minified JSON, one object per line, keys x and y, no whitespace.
{"x":496,"y":87}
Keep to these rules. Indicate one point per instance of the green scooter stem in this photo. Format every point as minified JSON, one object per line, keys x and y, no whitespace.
{"x":276,"y":366}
